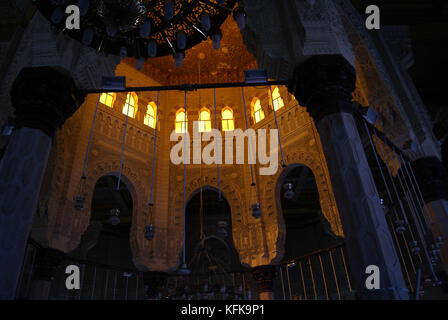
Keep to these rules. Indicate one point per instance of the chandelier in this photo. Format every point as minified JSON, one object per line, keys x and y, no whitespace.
{"x":144,"y":28}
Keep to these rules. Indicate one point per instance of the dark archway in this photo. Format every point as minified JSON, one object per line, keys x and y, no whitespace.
{"x":103,"y":242}
{"x":216,"y":251}
{"x":307,"y":230}
{"x":303,"y":272}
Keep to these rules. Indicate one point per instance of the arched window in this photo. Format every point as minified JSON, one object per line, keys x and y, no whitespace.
{"x":130,"y":106}
{"x":181,"y":121}
{"x":150,"y":116}
{"x":108,"y":99}
{"x":205,"y":123}
{"x":258,"y":111}
{"x":277,"y":99}
{"x":228,"y":123}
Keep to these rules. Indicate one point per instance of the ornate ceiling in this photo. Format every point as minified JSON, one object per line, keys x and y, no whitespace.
{"x":224,"y":65}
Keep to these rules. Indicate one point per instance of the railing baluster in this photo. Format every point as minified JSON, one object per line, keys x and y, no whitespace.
{"x":346,"y":272}
{"x":323,"y":276}
{"x":334,"y":275}
{"x":126,"y":290}
{"x":303,"y":280}
{"x":282,"y":282}
{"x":312,"y":277}
{"x":94,"y":282}
{"x":107,"y":282}
{"x":82,"y":280}
{"x":289,"y":281}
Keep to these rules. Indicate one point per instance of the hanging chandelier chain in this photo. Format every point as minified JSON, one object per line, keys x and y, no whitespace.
{"x":127,"y":28}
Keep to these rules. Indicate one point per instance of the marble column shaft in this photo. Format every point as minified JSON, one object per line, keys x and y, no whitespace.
{"x":324,"y":85}
{"x":43,"y":97}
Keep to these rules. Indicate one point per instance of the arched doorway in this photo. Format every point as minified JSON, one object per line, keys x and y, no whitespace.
{"x":216,"y":271}
{"x":312,"y":266}
{"x":307,"y":230}
{"x":214,"y":250}
{"x":104,"y":254}
{"x":107,"y":241}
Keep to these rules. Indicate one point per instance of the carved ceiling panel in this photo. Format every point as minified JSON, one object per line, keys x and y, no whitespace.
{"x":225,"y":64}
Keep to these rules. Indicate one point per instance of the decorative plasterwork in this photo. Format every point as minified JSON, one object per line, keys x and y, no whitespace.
{"x":282,"y":34}
{"x":223,"y":65}
{"x":41,"y":46}
{"x":405,"y":98}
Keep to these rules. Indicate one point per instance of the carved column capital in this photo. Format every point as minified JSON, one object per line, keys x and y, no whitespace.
{"x":324,"y":85}
{"x":47,"y":262}
{"x":264,"y":276}
{"x":432,"y":178}
{"x":44,"y":98}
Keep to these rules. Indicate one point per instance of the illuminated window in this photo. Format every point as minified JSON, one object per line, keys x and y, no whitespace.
{"x":150,"y":116}
{"x":277,"y":99}
{"x":228,"y":123}
{"x":205,"y":123}
{"x":130,"y":106}
{"x":108,"y":99}
{"x":181,"y":121}
{"x":258,"y":111}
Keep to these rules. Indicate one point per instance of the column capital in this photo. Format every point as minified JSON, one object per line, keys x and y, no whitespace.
{"x":264,"y":276}
{"x":432,"y":178}
{"x":324,"y":85}
{"x":44,"y":98}
{"x":47,"y":262}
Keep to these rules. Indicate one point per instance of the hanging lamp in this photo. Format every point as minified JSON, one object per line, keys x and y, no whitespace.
{"x":255,"y":207}
{"x":148,"y":230}
{"x":114,"y":217}
{"x":81,"y":196}
{"x":278,"y":130}
{"x":288,"y":191}
{"x":183,"y":270}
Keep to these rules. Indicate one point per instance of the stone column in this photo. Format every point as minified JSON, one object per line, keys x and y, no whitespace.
{"x":45,"y":267}
{"x":324,"y":85}
{"x":432,"y":178}
{"x":264,"y":277}
{"x":44,"y":98}
{"x":154,"y":283}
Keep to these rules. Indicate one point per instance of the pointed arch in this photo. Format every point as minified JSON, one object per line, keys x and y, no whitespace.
{"x":131,"y":104}
{"x":257,"y":110}
{"x":150,"y":116}
{"x":205,"y":123}
{"x":276,"y":99}
{"x":228,"y":122}
{"x":108,"y":99}
{"x":181,"y":121}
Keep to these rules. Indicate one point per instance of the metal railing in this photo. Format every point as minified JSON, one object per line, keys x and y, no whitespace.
{"x":106,"y":282}
{"x":97,"y":281}
{"x":404,"y":207}
{"x":321,"y":275}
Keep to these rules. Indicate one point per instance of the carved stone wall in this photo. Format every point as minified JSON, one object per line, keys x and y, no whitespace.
{"x":281,"y":34}
{"x":257,"y":241}
{"x":382,"y":61}
{"x":41,"y":45}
